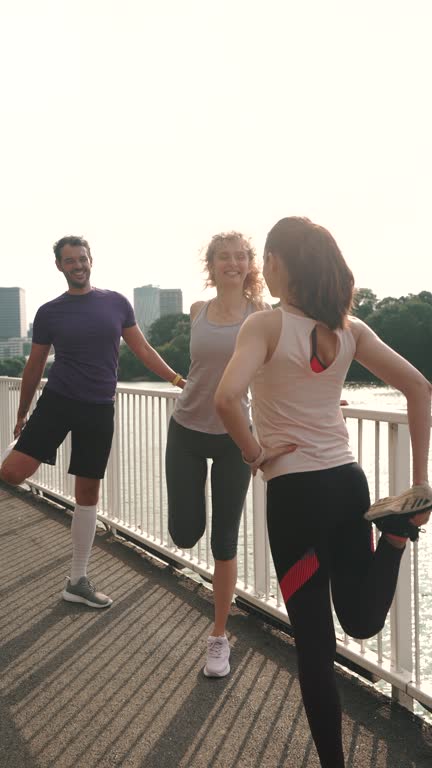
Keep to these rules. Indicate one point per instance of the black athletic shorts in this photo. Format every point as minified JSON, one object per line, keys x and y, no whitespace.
{"x":91,"y":426}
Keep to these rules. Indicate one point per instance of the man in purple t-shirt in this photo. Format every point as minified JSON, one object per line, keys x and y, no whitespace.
{"x":84,"y":325}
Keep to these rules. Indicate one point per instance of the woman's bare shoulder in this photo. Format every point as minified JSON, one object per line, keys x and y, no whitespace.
{"x":264,"y":322}
{"x":195,"y":308}
{"x":356,"y":326}
{"x":259,"y":305}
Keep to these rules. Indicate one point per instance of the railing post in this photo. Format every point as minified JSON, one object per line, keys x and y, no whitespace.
{"x":259,"y":535}
{"x":113,"y":473}
{"x":4,"y":415}
{"x":401,"y":611}
{"x":9,"y":392}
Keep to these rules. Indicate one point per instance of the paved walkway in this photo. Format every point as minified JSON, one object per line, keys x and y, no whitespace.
{"x":123,"y":687}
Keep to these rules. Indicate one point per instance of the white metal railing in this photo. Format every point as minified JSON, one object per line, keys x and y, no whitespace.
{"x":133,"y":501}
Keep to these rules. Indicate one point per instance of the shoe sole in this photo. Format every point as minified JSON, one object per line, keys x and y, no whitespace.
{"x":83,"y":600}
{"x":384,"y":511}
{"x":403,"y":505}
{"x":225,"y":672}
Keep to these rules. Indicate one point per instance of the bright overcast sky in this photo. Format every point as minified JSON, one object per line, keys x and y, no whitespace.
{"x":149,"y":126}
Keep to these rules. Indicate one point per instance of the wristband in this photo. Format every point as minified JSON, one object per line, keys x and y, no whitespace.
{"x":178,"y":377}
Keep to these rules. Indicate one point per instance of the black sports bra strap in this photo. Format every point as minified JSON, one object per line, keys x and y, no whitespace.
{"x":314,"y":342}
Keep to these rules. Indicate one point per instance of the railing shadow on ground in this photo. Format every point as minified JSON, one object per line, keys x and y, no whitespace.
{"x":124,"y":687}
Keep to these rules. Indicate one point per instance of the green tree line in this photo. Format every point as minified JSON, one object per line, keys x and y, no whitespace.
{"x":170,"y":336}
{"x":404,"y":323}
{"x":12,"y":366}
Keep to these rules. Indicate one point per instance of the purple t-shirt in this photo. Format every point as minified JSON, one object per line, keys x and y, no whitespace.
{"x":85,"y":330}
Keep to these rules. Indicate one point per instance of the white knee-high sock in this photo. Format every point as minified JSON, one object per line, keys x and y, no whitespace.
{"x":83,"y":532}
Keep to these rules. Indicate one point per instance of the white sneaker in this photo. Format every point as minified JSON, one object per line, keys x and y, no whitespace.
{"x":7,"y":451}
{"x":393,"y":514}
{"x":218,"y":653}
{"x":416,"y":499}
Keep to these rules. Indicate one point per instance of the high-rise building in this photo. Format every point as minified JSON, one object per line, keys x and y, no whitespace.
{"x":152,"y":302}
{"x":146,"y":306}
{"x":170,"y":301}
{"x":12,"y":313}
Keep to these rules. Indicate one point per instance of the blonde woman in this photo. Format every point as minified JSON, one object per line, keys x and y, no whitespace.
{"x":196,"y":433}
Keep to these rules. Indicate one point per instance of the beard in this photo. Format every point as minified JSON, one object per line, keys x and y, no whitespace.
{"x":82,"y":282}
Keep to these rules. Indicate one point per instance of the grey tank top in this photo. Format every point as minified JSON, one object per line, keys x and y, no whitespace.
{"x":211,"y":348}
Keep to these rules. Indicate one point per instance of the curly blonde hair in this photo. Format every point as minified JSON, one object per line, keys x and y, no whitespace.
{"x":253,"y":285}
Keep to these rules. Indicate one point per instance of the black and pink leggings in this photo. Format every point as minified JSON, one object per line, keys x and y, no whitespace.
{"x":319,"y":539}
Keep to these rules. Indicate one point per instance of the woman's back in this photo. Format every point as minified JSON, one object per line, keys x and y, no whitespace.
{"x":299,"y":402}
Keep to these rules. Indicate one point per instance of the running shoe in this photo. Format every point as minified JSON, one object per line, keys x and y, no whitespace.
{"x":218,"y":653}
{"x":392,"y":514}
{"x":85,"y":592}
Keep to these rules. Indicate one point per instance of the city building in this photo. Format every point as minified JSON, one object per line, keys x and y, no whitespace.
{"x":152,"y":302}
{"x":146,"y":306}
{"x":19,"y":347}
{"x":170,"y":301}
{"x":13,"y":322}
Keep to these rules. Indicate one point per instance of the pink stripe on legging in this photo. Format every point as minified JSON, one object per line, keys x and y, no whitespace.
{"x":298,"y":575}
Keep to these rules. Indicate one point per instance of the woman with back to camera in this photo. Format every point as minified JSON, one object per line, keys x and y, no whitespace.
{"x":296,"y":359}
{"x":196,"y":432}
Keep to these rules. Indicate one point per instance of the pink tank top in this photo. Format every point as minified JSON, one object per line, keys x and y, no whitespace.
{"x":297,"y":400}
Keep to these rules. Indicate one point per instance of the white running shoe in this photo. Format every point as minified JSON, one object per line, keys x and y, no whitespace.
{"x":393,"y":514}
{"x":218,"y":653}
{"x":416,"y":499}
{"x":7,"y":451}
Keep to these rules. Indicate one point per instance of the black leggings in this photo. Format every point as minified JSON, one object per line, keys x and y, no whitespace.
{"x":318,"y":537}
{"x":186,"y":473}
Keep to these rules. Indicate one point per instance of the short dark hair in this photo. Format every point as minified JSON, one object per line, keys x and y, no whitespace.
{"x":70,"y":240}
{"x":320,"y":283}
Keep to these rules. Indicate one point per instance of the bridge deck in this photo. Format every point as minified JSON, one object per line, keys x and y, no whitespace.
{"x":124,"y":687}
